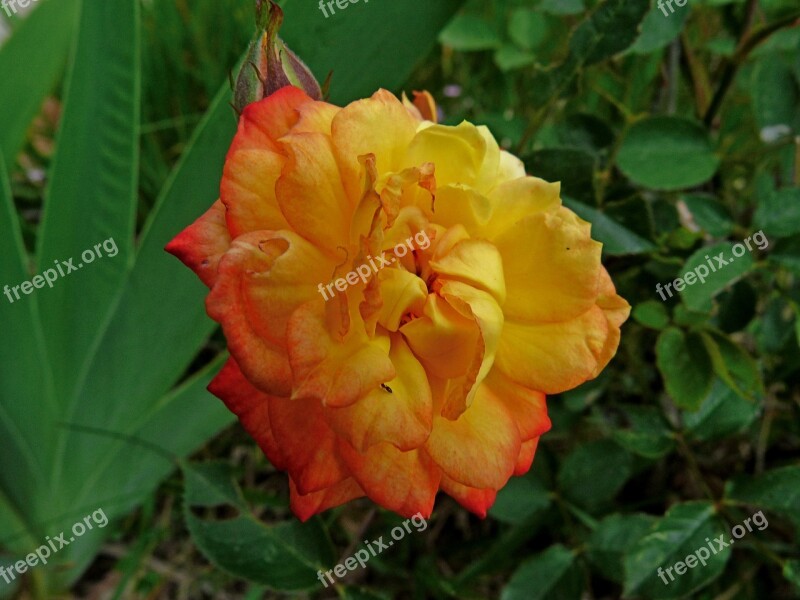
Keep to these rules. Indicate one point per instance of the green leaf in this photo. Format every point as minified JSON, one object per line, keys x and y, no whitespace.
{"x":527,"y":28}
{"x":791,"y":571}
{"x":774,"y":329}
{"x":91,"y":198}
{"x":709,"y":275}
{"x":652,"y":314}
{"x":685,"y":366}
{"x":777,"y":490}
{"x":647,"y":435}
{"x":550,"y":574}
{"x":578,"y":479}
{"x":32,"y":59}
{"x":562,"y":7}
{"x":284,"y":556}
{"x":142,"y":319}
{"x":612,"y":538}
{"x":723,"y":413}
{"x":776,"y":97}
{"x":734,"y":366}
{"x":657,"y":31}
{"x":24,"y":373}
{"x":778,"y":213}
{"x":688,"y":318}
{"x":469,"y":33}
{"x":616,"y":239}
{"x":364,"y":61}
{"x":538,"y":33}
{"x":682,"y":532}
{"x":520,"y":499}
{"x":667,"y":153}
{"x":509,"y":58}
{"x":709,"y":214}
{"x":610,"y":29}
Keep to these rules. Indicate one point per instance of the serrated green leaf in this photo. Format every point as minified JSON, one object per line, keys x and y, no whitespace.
{"x":648,"y":435}
{"x":722,"y":413}
{"x":577,"y":476}
{"x":682,"y":532}
{"x":520,"y":499}
{"x":612,"y":538}
{"x":284,"y":556}
{"x":709,"y":276}
{"x":509,"y":58}
{"x":776,"y":97}
{"x":469,"y":33}
{"x":667,"y":153}
{"x":657,"y":32}
{"x":734,"y":366}
{"x":685,"y":366}
{"x":778,"y":213}
{"x":709,"y":214}
{"x":777,"y":489}
{"x":651,"y":313}
{"x":610,"y":29}
{"x":616,"y":239}
{"x":550,"y":574}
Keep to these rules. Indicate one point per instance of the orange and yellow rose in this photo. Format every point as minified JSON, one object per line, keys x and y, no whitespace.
{"x":432,"y":375}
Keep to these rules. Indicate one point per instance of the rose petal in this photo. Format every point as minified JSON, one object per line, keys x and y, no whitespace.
{"x":527,"y":353}
{"x":402,"y":417}
{"x":310,"y":192}
{"x":551,"y":267}
{"x":336,"y":371}
{"x":403,"y":482}
{"x":308,"y":443}
{"x":306,"y":506}
{"x":201,"y":245}
{"x":474,"y":500}
{"x":480,"y":449}
{"x":251,"y":405}
{"x":354,"y":134}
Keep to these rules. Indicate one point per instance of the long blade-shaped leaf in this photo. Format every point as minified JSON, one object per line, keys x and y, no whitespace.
{"x":32,"y":59}
{"x":24,"y":379}
{"x":91,"y":199}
